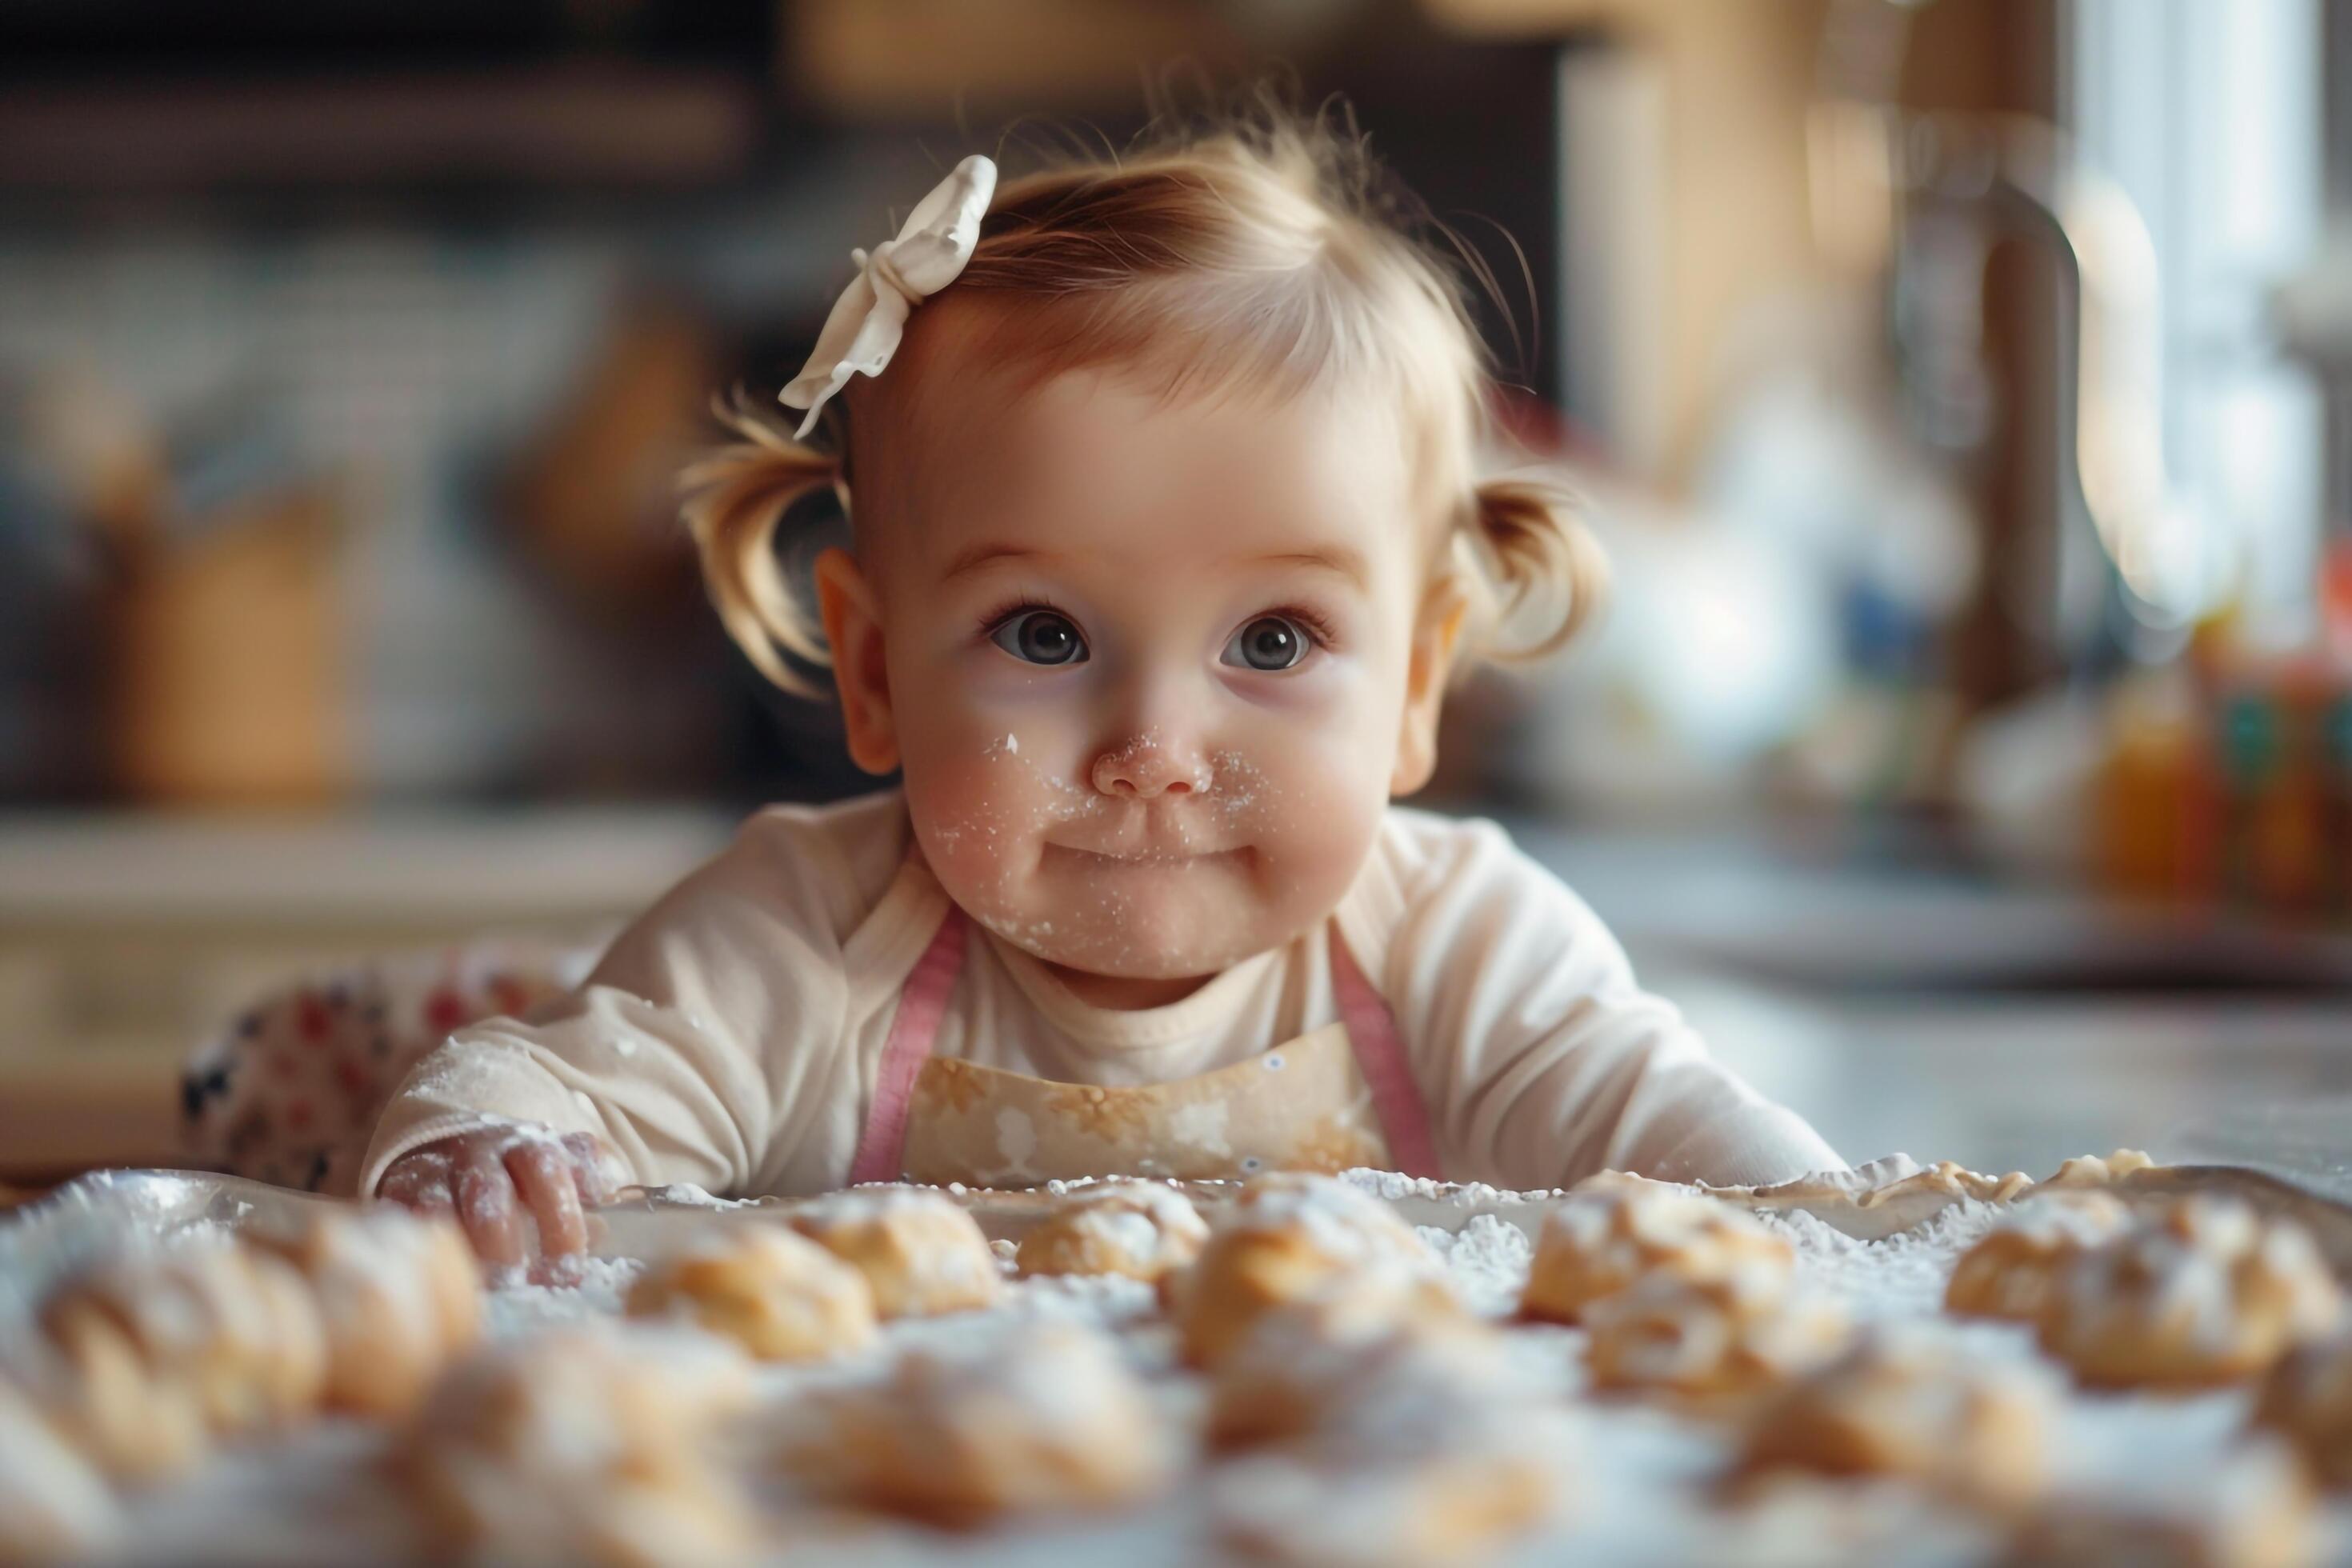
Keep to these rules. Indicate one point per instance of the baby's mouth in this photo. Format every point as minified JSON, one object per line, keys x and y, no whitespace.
{"x":1145,"y":835}
{"x":1142,"y":856}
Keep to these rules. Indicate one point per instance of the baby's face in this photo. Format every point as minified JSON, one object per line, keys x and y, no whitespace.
{"x":1147,"y":671}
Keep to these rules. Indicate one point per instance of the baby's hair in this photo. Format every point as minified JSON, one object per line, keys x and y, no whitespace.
{"x":1256,"y":249}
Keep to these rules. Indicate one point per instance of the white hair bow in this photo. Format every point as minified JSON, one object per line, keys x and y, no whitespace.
{"x":871,"y":317}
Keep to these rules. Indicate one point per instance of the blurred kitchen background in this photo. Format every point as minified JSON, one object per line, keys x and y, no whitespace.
{"x":1963,"y":388}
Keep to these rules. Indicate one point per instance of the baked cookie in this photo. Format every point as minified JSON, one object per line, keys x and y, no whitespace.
{"x":1040,"y":1416}
{"x":583,"y":1444}
{"x":2093,"y":1171}
{"x":53,"y":1508}
{"x":2008,"y":1273}
{"x":1901,"y":1404}
{"x":1425,"y":1467}
{"x":2307,"y":1399}
{"x":776,"y":1293}
{"x":1367,"y":1336}
{"x":93,"y":1386}
{"x":1710,"y":1343}
{"x":1284,"y":1237}
{"x":921,"y":1254}
{"x":1605,"y":1237}
{"x":231,"y":1324}
{"x":400,"y":1297}
{"x":2255,"y":1511}
{"x":2206,"y":1292}
{"x":1141,"y":1229}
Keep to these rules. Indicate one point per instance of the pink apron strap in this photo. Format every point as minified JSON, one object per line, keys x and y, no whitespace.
{"x":883,"y":1145}
{"x":1380,"y":1057}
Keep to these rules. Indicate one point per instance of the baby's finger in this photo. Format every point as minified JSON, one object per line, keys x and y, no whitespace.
{"x":588,"y":1172}
{"x":421,"y":1184}
{"x":486,"y":1204}
{"x":542,"y":1176}
{"x":433,"y":1201}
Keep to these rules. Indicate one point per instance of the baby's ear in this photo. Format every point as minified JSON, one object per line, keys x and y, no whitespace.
{"x":1435,"y":639}
{"x":852,"y":629}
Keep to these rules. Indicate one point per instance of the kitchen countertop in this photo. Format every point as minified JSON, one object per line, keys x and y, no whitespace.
{"x":1817,"y":914}
{"x":1951,"y":1015}
{"x":125,"y":939}
{"x":449,"y":869}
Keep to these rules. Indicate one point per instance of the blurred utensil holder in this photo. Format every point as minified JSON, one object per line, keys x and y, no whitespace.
{"x":228,"y":654}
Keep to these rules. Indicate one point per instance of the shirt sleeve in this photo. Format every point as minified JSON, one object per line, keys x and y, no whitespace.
{"x":689,"y":1046}
{"x":1541,"y":1058}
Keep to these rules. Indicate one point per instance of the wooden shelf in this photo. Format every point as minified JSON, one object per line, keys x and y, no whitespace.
{"x":625,"y":125}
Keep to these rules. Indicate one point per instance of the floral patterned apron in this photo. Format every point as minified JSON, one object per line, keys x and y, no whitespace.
{"x":1336,"y":1097}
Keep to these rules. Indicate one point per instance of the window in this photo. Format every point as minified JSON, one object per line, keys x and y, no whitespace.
{"x":2210,"y":116}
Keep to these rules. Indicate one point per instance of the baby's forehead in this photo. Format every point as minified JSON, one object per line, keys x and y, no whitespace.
{"x":1089,"y":460}
{"x":1101,"y":454}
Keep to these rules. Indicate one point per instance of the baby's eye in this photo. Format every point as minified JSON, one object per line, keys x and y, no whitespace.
{"x":1269,"y":643}
{"x":1040,"y":636}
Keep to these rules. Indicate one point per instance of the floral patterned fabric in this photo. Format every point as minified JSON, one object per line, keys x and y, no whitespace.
{"x":290,"y":1091}
{"x":1303,"y":1106}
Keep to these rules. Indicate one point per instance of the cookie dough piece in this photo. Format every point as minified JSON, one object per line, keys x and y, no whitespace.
{"x":2205,"y":1293}
{"x":233,"y":1324}
{"x":1711,"y":1343}
{"x":53,"y":1508}
{"x":2008,"y":1273}
{"x":1604,"y":1238}
{"x":1042,"y":1416}
{"x":921,"y":1254}
{"x":776,"y":1293}
{"x":2307,"y":1399}
{"x":587,"y":1444}
{"x":1141,"y":1229}
{"x":1283,"y":1238}
{"x":400,"y":1296}
{"x":1901,"y":1404}
{"x":1371,"y":1338}
{"x":93,"y":1386}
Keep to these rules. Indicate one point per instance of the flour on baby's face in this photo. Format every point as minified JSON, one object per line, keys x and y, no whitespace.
{"x":1120,"y":885}
{"x":1154,"y":807}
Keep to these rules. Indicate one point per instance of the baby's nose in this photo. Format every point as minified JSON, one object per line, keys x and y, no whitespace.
{"x":1144,"y":768}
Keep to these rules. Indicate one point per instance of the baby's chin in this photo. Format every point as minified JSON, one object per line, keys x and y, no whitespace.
{"x":1111,"y":958}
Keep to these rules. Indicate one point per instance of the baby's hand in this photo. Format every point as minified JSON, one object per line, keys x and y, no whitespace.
{"x":478,"y":1176}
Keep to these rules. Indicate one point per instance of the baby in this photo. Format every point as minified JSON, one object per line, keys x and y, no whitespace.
{"x":1169,"y":534}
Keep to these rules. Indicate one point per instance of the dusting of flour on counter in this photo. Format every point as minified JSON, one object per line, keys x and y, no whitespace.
{"x":686,"y":1195}
{"x":1646,"y":1490}
{"x":1903,"y":1276}
{"x":598,"y":1287}
{"x":1488,"y":1260}
{"x":1392,"y":1186}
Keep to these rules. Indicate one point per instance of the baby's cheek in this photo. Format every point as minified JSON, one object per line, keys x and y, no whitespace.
{"x":982,"y":800}
{"x":1312,"y":809}
{"x":964,"y":814}
{"x":1317,"y":853}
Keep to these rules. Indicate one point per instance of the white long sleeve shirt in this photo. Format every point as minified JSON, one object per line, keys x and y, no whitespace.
{"x":731,"y":1034}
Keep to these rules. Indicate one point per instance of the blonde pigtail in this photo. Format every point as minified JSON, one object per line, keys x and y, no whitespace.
{"x":1538,"y":556}
{"x":736,"y":496}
